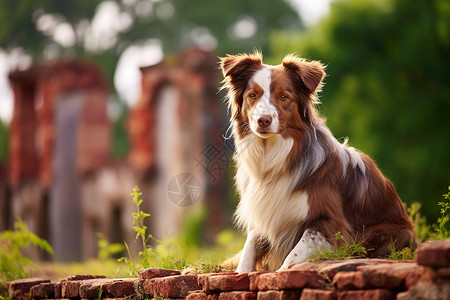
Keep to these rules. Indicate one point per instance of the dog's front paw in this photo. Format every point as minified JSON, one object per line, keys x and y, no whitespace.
{"x":284,"y":267}
{"x":244,"y":268}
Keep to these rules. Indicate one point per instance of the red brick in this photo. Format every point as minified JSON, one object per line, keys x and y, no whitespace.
{"x":294,"y":279}
{"x":289,"y":279}
{"x":313,"y":294}
{"x":202,"y":277}
{"x":234,"y":282}
{"x":90,"y":288}
{"x":421,"y":274}
{"x":202,"y":296}
{"x":115,"y":288}
{"x":437,"y":290}
{"x":378,"y":294}
{"x":348,"y":281}
{"x":19,"y":295}
{"x":434,"y":254}
{"x":157,"y":272}
{"x":70,"y":289}
{"x":346,"y":266}
{"x":237,"y":295}
{"x":23,"y":286}
{"x":57,"y":290}
{"x":332,"y":267}
{"x":44,"y":291}
{"x":176,"y":286}
{"x":84,"y":277}
{"x":197,"y":296}
{"x":380,"y":277}
{"x":122,"y":287}
{"x":263,"y":281}
{"x":279,"y":295}
{"x":393,"y":275}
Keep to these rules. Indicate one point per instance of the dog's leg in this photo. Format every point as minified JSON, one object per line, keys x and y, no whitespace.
{"x":310,"y":242}
{"x":248,"y":254}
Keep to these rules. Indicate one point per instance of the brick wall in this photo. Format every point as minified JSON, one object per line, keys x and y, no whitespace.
{"x":354,"y":279}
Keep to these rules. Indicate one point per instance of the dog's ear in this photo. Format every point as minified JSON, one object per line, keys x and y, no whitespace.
{"x":237,"y":71}
{"x":240,"y":65}
{"x":310,"y":73}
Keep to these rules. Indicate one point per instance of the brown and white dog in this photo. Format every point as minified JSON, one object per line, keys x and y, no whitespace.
{"x":298,"y":185}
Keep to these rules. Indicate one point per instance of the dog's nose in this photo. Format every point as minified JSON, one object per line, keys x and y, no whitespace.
{"x":264,"y":121}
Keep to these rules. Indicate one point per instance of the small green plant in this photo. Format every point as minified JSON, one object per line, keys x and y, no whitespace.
{"x":149,"y":256}
{"x":13,"y":264}
{"x":341,"y":250}
{"x":436,"y":231}
{"x":141,"y":232}
{"x":421,"y":227}
{"x":440,"y":231}
{"x":106,"y":250}
{"x":100,"y":292}
{"x":403,"y":254}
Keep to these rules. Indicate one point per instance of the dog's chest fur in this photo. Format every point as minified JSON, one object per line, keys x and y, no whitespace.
{"x":268,"y":204}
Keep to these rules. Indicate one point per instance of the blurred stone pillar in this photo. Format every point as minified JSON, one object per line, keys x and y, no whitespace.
{"x":26,"y":200}
{"x":65,"y":206}
{"x":74,"y":135}
{"x":177,"y":119}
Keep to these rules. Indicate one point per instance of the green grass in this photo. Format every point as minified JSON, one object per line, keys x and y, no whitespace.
{"x":343,"y":249}
{"x":403,"y":254}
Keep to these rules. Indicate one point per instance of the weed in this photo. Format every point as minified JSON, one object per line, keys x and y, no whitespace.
{"x":440,"y":231}
{"x":421,"y":227}
{"x":403,"y":254}
{"x":100,"y":292}
{"x":205,"y":268}
{"x":436,"y":231}
{"x":162,"y":255}
{"x":13,"y":264}
{"x":341,"y":250}
{"x":141,"y":232}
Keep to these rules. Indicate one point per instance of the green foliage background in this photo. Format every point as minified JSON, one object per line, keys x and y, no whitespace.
{"x":387,"y":87}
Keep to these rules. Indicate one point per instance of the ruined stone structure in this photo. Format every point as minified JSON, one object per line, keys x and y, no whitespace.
{"x":59,"y":133}
{"x":61,"y":178}
{"x":176,"y":128}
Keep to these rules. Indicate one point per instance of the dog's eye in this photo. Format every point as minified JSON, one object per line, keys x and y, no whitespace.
{"x":252,"y":96}
{"x":284,"y":98}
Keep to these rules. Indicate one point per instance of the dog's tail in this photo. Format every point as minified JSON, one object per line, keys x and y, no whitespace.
{"x":231,"y":263}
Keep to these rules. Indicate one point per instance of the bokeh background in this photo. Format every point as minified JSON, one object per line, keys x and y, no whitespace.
{"x":387,"y":87}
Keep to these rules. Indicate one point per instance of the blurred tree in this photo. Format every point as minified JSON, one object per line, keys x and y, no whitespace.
{"x":387,"y":86}
{"x":103,"y":29}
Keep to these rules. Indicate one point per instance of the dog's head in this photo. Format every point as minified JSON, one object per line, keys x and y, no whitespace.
{"x":268,"y":100}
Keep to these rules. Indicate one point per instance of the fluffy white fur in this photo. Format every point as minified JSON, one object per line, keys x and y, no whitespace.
{"x":264,"y":186}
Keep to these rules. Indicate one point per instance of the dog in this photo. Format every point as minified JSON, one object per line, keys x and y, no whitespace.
{"x":298,"y":184}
